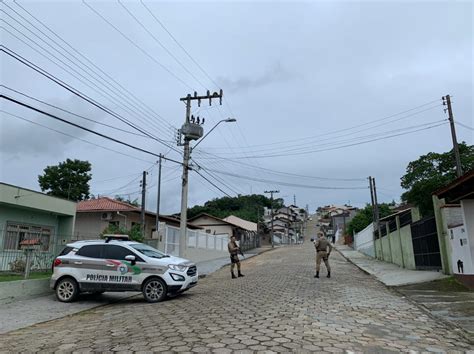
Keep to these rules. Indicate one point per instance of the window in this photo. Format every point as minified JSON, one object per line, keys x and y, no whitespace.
{"x":118,"y":252}
{"x":65,"y":251}
{"x":16,"y":233}
{"x":92,"y":251}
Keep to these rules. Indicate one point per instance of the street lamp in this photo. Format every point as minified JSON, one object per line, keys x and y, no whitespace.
{"x":184,"y":190}
{"x":228,"y":120}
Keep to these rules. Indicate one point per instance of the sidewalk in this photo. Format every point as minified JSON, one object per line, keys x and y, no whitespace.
{"x":388,"y":273}
{"x":19,"y":313}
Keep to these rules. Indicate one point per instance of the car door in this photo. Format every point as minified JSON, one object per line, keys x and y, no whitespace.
{"x":90,"y":267}
{"x":122,"y":274}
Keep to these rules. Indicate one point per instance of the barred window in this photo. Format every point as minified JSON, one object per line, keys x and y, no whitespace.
{"x":16,"y":233}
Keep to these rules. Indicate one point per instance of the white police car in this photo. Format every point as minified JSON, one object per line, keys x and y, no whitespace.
{"x":117,"y":264}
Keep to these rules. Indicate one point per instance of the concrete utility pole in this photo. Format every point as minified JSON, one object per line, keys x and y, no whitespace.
{"x":142,"y":215}
{"x":377,"y":215}
{"x":191,"y":130}
{"x":373,"y":211}
{"x":158,"y":197}
{"x":447,"y":102}
{"x":271,"y":208}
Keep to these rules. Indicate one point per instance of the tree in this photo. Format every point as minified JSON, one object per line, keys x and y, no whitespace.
{"x":247,"y":207}
{"x":431,"y":172}
{"x":365,"y":217}
{"x":69,"y":180}
{"x":128,"y":201}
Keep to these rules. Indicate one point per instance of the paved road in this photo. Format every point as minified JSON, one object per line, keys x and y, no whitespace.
{"x":278,"y":306}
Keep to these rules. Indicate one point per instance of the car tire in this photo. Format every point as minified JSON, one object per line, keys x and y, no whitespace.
{"x":154,"y":290}
{"x":67,"y":290}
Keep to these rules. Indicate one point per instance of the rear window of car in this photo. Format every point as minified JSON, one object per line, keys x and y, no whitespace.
{"x":65,"y":251}
{"x":91,"y":251}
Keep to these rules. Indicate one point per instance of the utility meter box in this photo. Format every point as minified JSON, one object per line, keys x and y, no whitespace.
{"x":192,"y":131}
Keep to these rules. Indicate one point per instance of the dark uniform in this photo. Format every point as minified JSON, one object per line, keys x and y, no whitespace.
{"x":321,"y":245}
{"x":234,"y":250}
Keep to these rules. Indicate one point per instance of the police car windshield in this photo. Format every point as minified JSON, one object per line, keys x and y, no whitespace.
{"x":148,"y":251}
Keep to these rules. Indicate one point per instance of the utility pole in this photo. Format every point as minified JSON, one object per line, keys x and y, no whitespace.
{"x":377,"y":215}
{"x":294,"y":199}
{"x":447,"y":102}
{"x":191,"y":130}
{"x":373,"y":212}
{"x":158,"y":197}
{"x":142,"y":216}
{"x":271,"y":207}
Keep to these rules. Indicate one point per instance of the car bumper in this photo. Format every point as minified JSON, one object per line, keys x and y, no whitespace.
{"x":179,"y":286}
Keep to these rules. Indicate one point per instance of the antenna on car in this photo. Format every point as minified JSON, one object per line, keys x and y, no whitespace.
{"x":109,"y":237}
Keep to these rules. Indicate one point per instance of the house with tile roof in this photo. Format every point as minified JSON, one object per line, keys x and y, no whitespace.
{"x":95,"y":215}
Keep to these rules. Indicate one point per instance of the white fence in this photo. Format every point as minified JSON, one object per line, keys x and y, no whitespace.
{"x":196,"y":239}
{"x":364,"y":241}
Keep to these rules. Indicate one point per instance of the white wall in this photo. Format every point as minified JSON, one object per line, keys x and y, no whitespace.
{"x":461,"y":247}
{"x":468,"y":216}
{"x":364,"y":241}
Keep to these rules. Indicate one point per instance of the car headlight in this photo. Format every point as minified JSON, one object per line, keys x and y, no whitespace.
{"x":178,"y":267}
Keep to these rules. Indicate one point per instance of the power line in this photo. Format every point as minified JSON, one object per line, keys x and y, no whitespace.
{"x":288,"y":173}
{"x":74,"y":137}
{"x":179,"y":44}
{"x":72,"y":113}
{"x":136,"y":45}
{"x":342,"y":146}
{"x":84,"y":128}
{"x":215,"y":186}
{"x":94,"y":86}
{"x":284,"y":183}
{"x":279,"y":147}
{"x":463,"y":125}
{"x":69,"y":88}
{"x":159,"y":42}
{"x":215,"y":178}
{"x":141,"y":103}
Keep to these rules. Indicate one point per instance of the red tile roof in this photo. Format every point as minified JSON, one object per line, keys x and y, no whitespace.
{"x":104,"y":204}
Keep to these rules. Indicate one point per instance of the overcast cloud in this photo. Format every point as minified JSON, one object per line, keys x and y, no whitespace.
{"x":302,"y":79}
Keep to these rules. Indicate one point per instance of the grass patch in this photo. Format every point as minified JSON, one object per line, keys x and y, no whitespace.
{"x":445,"y":285}
{"x":33,"y":275}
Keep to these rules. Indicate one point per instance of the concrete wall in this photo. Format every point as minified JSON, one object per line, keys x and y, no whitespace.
{"x":468,"y":217}
{"x":364,"y":241}
{"x":397,"y":247}
{"x":23,"y":288}
{"x":407,"y":247}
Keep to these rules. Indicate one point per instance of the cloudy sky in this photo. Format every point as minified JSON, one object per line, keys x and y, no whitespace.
{"x":325,"y":93}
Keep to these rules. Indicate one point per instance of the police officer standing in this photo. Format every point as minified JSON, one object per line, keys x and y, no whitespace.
{"x":321,"y":245}
{"x":234,"y":250}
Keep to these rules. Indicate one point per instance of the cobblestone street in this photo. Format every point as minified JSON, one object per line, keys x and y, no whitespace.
{"x":278,"y":306}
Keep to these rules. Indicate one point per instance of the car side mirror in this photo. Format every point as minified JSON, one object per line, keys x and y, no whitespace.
{"x":131,"y":259}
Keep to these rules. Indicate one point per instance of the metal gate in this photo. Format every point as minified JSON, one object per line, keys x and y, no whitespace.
{"x":425,"y":244}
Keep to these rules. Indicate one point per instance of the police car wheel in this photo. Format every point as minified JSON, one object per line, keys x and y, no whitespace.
{"x":154,"y":290}
{"x":67,"y":290}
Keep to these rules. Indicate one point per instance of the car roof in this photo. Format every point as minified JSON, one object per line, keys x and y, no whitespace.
{"x":81,"y":243}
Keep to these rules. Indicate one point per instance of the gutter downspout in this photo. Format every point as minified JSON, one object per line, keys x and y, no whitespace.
{"x":125,"y":216}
